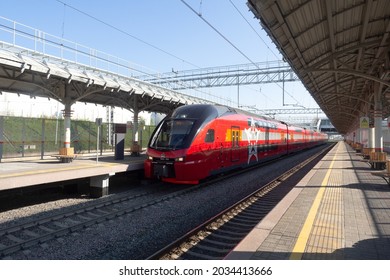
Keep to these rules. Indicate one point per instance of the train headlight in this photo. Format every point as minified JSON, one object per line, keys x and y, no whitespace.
{"x":150,"y":158}
{"x":179,"y":159}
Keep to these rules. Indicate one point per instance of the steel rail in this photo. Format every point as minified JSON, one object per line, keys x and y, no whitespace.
{"x":193,"y":238}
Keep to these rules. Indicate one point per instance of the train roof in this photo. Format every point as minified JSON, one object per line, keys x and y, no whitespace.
{"x":212,"y":111}
{"x":194,"y":110}
{"x":198,"y":110}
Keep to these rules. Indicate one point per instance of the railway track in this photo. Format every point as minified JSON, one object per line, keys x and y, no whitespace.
{"x":215,"y":238}
{"x":25,"y":235}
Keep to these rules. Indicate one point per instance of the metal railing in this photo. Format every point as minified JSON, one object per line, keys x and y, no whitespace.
{"x":34,"y":42}
{"x":38,"y":137}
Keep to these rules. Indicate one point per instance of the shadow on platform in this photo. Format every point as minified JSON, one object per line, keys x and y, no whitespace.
{"x":369,"y":249}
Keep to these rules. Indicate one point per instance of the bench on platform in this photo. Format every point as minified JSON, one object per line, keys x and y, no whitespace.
{"x":378,"y":160}
{"x":377,"y":164}
{"x":65,"y":155}
{"x":383,"y":174}
{"x":65,"y":158}
{"x":366,"y":152}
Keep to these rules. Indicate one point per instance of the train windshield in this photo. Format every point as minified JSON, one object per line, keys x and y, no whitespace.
{"x":173,"y":134}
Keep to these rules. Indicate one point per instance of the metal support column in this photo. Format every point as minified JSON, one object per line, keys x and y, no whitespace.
{"x":67,"y":115}
{"x":378,"y":132}
{"x":238,"y":91}
{"x":371,"y":137}
{"x":358,"y":136}
{"x":378,"y":118}
{"x":23,"y":136}
{"x":67,"y":152}
{"x":1,"y":136}
{"x":43,"y":139}
{"x":135,"y":148}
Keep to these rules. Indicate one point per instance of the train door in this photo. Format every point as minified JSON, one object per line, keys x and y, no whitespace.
{"x":266,"y":140}
{"x":235,"y":151}
{"x":287,"y":140}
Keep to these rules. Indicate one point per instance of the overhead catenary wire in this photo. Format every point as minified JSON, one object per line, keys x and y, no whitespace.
{"x":254,"y":30}
{"x":63,"y":23}
{"x":127,"y":34}
{"x":234,"y":46}
{"x":258,"y":35}
{"x":219,"y":33}
{"x":199,"y":14}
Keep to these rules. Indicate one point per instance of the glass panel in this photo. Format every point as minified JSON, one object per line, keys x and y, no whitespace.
{"x":210,"y":136}
{"x":172,"y":134}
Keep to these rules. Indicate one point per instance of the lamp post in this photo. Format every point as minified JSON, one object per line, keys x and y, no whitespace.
{"x":98,"y":123}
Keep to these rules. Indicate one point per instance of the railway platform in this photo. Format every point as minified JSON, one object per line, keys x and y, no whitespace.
{"x":25,"y":173}
{"x":338,"y":211}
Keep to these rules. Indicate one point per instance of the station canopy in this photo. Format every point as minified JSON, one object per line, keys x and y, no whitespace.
{"x":339,"y":50}
{"x":26,"y":72}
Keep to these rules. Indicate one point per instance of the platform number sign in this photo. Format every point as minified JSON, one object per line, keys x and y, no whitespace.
{"x":99,"y":121}
{"x":364,"y":122}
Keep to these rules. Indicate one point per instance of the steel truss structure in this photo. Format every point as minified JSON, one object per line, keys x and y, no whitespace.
{"x":241,"y":74}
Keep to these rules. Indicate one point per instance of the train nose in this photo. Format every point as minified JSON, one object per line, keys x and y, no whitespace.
{"x":164,"y":170}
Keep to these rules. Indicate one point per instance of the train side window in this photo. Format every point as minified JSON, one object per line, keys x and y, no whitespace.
{"x":210,"y":136}
{"x":237,"y":139}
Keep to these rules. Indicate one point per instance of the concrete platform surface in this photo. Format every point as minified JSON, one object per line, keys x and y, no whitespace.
{"x":23,"y":173}
{"x":339,"y":211}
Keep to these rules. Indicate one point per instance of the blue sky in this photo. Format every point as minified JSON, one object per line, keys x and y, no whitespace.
{"x":165,"y":35}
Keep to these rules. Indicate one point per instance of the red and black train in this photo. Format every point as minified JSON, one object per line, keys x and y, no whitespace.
{"x":198,"y":141}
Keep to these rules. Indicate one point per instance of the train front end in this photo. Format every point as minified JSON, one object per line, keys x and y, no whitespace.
{"x":171,"y":152}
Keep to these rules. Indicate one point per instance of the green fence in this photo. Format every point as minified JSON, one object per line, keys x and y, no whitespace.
{"x":22,"y":137}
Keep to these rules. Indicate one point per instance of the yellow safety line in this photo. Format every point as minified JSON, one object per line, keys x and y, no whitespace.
{"x":303,"y":237}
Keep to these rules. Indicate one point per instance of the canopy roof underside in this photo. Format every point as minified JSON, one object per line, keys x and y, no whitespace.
{"x":339,"y":49}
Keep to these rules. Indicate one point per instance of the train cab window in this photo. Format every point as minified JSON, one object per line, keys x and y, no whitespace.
{"x":210,"y":136}
{"x":172,"y":134}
